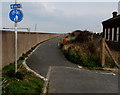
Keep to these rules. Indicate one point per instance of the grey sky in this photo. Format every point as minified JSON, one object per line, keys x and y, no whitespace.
{"x":62,"y":17}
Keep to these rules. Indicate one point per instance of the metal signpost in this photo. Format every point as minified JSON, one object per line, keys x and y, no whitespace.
{"x":16,"y":16}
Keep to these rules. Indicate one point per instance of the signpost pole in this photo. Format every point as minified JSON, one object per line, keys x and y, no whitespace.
{"x":16,"y":16}
{"x":15,"y":43}
{"x":16,"y":47}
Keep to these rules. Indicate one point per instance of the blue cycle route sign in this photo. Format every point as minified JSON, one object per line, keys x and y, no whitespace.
{"x":16,"y":15}
{"x":15,"y":6}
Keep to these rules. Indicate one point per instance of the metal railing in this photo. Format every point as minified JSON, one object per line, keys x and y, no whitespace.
{"x":28,"y":29}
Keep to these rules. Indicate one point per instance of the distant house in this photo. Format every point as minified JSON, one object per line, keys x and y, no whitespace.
{"x":111,"y":28}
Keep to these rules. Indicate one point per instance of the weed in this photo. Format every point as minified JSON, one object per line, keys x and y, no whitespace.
{"x":21,"y":58}
{"x":32,"y":48}
{"x":24,"y":55}
{"x":8,"y":67}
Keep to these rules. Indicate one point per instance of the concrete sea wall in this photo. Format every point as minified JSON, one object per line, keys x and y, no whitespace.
{"x":26,"y":40}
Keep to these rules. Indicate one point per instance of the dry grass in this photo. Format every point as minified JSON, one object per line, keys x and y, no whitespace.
{"x":116,"y":55}
{"x":86,"y":43}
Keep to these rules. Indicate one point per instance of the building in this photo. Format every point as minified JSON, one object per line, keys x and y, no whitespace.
{"x":111,"y":28}
{"x":119,"y":7}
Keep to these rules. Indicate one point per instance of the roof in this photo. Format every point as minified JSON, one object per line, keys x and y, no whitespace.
{"x":112,"y":19}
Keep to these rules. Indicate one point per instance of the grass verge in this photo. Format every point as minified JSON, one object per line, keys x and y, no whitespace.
{"x":22,"y":82}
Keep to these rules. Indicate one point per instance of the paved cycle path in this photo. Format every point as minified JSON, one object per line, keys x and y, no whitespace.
{"x":47,"y":54}
{"x":66,"y":77}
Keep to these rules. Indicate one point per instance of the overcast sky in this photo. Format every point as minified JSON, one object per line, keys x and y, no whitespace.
{"x":62,"y":17}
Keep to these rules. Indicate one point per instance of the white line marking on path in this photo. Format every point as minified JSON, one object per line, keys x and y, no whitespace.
{"x":24,"y":63}
{"x":108,"y":74}
{"x":47,"y":81}
{"x":80,"y":67}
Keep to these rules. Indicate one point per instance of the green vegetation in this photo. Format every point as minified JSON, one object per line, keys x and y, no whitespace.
{"x":81,"y":49}
{"x":82,"y":59}
{"x":84,"y":48}
{"x":22,"y":82}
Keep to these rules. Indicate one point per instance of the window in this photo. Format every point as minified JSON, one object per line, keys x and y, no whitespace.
{"x":108,"y":33}
{"x":117,"y":34}
{"x":112,"y":34}
{"x":105,"y":34}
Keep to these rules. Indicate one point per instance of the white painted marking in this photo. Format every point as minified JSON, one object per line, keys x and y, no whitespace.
{"x":24,"y":63}
{"x":46,"y":82}
{"x":108,"y":74}
{"x":80,"y":67}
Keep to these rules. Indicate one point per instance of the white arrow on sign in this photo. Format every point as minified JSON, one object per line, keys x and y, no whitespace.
{"x":16,"y":18}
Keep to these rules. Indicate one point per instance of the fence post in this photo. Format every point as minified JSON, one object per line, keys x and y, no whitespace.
{"x":103,"y":52}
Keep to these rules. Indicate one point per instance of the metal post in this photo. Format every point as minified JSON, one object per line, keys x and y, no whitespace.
{"x":15,"y":43}
{"x":15,"y":47}
{"x":15,"y":1}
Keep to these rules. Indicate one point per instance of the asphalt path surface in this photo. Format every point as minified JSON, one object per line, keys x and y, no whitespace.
{"x":66,"y":77}
{"x":47,"y":55}
{"x":74,"y":80}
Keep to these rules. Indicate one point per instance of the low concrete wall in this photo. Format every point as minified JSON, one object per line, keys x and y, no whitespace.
{"x":26,"y":40}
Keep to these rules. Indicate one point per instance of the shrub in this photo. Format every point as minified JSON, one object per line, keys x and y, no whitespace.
{"x":82,"y":59}
{"x":83,"y":36}
{"x":72,"y":56}
{"x":10,"y":73}
{"x":92,"y":61}
{"x":19,"y":75}
{"x":10,"y":66}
